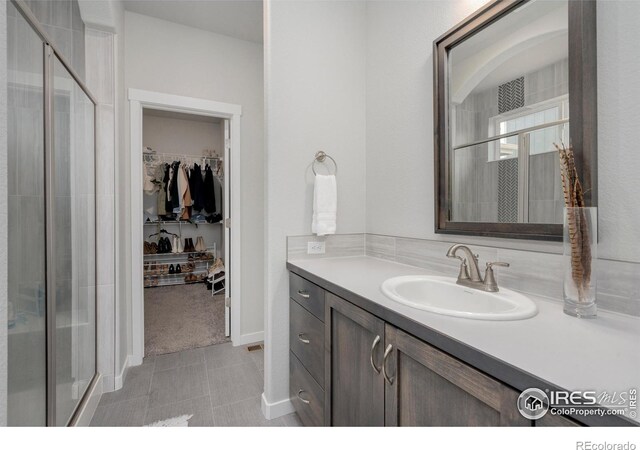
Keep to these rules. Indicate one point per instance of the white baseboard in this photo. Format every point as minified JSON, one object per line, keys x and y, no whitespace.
{"x":119,"y":380}
{"x":250,"y":338}
{"x":276,"y":409}
{"x":108,"y":383}
{"x":89,"y":408}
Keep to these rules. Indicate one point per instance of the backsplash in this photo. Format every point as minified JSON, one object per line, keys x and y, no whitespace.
{"x":335,"y":245}
{"x":537,"y":273}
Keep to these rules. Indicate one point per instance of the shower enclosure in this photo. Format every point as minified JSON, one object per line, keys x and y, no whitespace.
{"x":52,"y":257}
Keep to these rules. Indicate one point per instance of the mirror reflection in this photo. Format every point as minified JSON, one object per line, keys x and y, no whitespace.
{"x":508,"y":90}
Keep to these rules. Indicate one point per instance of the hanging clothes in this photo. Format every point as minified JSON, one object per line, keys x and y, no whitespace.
{"x":162,"y":189}
{"x":168,"y":207}
{"x":185,"y":194}
{"x":172,"y":192}
{"x":209,"y":191}
{"x":196,"y":185}
{"x":218,"y":194}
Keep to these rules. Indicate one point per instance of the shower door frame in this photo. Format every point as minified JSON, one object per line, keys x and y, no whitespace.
{"x":49,"y":54}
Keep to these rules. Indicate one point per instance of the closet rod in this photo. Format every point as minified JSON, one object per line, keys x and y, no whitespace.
{"x":178,"y":157}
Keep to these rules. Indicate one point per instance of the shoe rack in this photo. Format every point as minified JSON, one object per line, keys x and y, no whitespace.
{"x":194,"y":267}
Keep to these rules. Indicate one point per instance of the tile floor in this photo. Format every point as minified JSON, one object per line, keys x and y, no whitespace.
{"x":220,"y":385}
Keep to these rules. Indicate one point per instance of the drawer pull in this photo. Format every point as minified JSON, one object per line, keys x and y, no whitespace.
{"x":303,"y":294}
{"x":303,"y":340}
{"x":384,"y":364}
{"x":376,"y":341}
{"x":303,"y":400}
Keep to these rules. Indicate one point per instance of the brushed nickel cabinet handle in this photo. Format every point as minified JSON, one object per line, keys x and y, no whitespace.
{"x":303,"y":294}
{"x":376,"y":341}
{"x":303,"y":340}
{"x":303,"y":400}
{"x":387,"y":352}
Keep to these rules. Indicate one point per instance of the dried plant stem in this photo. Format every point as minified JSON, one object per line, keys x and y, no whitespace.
{"x":577,"y":221}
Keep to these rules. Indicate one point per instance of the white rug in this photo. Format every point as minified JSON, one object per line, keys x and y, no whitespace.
{"x":180,"y":421}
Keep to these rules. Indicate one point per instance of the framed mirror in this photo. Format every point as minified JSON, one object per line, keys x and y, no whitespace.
{"x":510,"y":81}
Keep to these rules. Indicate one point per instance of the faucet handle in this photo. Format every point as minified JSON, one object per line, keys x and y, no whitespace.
{"x":490,"y":283}
{"x":464,"y":270}
{"x":497,"y":264}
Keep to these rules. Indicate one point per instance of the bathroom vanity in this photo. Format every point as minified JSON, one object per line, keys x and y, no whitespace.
{"x":358,"y":358}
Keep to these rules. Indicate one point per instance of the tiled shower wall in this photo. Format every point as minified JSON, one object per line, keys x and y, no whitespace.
{"x":532,"y":272}
{"x":475,"y":188}
{"x":61,"y":20}
{"x":3,"y":219}
{"x":100,"y":80}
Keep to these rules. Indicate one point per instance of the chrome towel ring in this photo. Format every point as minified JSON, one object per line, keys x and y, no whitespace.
{"x":321,"y":157}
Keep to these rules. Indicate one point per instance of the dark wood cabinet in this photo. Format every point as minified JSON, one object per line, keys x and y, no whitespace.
{"x":351,"y":368}
{"x":354,"y":386}
{"x":430,"y":388}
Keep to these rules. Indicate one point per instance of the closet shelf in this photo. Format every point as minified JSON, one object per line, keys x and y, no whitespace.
{"x":181,"y":274}
{"x":182,"y":255}
{"x":174,"y":284}
{"x":180,"y":222}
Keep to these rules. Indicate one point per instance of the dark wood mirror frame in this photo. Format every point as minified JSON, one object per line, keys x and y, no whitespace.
{"x":582,"y":107}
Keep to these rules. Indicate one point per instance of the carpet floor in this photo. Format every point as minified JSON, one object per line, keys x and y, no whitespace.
{"x":182,"y":317}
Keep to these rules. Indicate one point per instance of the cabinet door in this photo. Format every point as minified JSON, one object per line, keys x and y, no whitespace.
{"x":354,"y":389}
{"x":426,"y":387}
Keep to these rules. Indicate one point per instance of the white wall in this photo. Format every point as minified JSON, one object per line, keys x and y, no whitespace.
{"x":184,"y":137}
{"x":400,"y":189}
{"x":618,"y":130}
{"x":315,"y":99}
{"x":170,"y":58}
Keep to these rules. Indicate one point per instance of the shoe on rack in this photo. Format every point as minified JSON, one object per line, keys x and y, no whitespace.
{"x":175,"y":245}
{"x":200,"y":245}
{"x":172,"y":270}
{"x":179,"y":245}
{"x":178,"y":268}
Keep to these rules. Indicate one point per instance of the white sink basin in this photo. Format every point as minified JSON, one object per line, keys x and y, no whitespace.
{"x":442,"y":295}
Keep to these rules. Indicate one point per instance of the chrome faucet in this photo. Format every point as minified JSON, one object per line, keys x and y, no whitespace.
{"x":470,"y":273}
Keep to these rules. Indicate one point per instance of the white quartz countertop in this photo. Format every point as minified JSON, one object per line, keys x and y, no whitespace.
{"x":601,"y":354}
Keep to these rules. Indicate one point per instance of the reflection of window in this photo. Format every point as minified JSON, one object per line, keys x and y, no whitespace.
{"x":541,"y":140}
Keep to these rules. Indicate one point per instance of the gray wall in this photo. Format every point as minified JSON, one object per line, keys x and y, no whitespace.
{"x":399,"y":78}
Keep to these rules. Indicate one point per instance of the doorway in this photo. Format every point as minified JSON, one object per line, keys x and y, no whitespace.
{"x":184,"y":248}
{"x":184,"y":263}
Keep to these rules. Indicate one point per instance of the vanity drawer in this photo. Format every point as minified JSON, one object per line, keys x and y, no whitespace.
{"x":306,"y":340}
{"x":306,"y":395}
{"x":307,"y":294}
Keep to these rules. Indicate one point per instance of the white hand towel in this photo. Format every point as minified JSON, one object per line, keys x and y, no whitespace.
{"x":325,"y":205}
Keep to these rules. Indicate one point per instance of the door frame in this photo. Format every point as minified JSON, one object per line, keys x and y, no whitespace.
{"x":138,"y":100}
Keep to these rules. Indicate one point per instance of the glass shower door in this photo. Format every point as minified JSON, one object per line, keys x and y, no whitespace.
{"x":73,"y":219}
{"x":27,"y":345}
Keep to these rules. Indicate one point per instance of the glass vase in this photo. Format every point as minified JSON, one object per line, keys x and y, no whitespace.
{"x":580,"y":256}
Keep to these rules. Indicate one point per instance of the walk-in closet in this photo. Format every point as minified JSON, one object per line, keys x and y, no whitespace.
{"x":184,"y":248}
